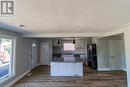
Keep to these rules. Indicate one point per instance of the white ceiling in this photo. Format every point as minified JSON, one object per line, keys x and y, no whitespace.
{"x":63,"y":16}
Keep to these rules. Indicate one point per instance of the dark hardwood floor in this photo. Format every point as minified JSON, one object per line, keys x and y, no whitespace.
{"x":41,"y":78}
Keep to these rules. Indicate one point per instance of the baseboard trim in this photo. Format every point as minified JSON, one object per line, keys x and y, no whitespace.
{"x":38,"y":64}
{"x":125,"y":70}
{"x":104,"y":69}
{"x":34,"y":67}
{"x":18,"y":78}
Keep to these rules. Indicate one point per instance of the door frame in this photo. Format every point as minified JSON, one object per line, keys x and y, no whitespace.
{"x":41,"y":53}
{"x":110,"y":59}
{"x":30,"y":55}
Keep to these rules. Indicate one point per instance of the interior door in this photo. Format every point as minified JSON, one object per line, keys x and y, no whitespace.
{"x":34,"y":55}
{"x":115,"y":49}
{"x":45,"y":60}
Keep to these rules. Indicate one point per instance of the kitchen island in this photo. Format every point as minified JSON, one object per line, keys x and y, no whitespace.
{"x":66,"y":66}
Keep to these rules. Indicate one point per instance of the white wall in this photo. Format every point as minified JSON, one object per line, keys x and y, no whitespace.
{"x":124,"y":55}
{"x":127,"y":52}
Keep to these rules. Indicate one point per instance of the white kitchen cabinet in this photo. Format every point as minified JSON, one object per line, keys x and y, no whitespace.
{"x":66,"y":69}
{"x":80,"y":44}
{"x":61,"y":68}
{"x":54,"y":68}
{"x":77,"y":44}
{"x":70,"y":69}
{"x":77,"y":69}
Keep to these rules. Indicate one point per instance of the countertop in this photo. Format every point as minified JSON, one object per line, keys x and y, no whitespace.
{"x":67,"y":59}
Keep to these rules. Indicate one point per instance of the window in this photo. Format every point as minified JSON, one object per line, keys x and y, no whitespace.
{"x":6,"y":57}
{"x":69,"y":47}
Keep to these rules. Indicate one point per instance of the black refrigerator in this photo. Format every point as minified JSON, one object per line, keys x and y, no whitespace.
{"x":92,"y":56}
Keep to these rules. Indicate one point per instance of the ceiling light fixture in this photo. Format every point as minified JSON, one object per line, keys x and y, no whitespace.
{"x":58,"y":42}
{"x":22,"y":25}
{"x":73,"y":40}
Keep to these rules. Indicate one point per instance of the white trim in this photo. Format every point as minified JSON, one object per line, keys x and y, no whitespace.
{"x":12,"y":66}
{"x":18,"y":78}
{"x":1,"y":65}
{"x":5,"y":78}
{"x":104,"y":69}
{"x":122,"y":57}
{"x":44,"y":64}
{"x":63,"y":35}
{"x":37,"y":65}
{"x":14,"y":56}
{"x":31,"y":58}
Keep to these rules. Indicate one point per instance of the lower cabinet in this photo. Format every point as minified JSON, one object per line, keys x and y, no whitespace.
{"x":61,"y":69}
{"x":54,"y":68}
{"x":78,"y":70}
{"x":70,"y":69}
{"x":66,"y":69}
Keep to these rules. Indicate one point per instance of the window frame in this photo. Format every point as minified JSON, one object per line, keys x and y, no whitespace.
{"x":12,"y":59}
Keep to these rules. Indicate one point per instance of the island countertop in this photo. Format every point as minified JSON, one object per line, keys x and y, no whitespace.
{"x":66,"y":59}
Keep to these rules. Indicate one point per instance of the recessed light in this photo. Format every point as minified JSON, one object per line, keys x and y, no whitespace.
{"x":22,"y":25}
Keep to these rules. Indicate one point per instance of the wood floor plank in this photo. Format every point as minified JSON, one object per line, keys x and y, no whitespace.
{"x":41,"y":78}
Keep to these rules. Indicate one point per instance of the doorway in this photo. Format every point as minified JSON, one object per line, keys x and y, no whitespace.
{"x":116,"y":54}
{"x":45,"y":58}
{"x":33,"y":55}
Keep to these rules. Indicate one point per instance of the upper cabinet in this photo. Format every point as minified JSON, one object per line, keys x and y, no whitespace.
{"x":89,"y":40}
{"x":56,"y":47}
{"x":94,"y":40}
{"x":80,"y":44}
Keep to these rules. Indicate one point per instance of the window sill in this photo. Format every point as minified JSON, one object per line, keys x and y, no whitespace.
{"x":5,"y":78}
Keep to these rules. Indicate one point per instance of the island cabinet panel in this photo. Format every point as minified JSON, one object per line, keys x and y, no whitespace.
{"x":54,"y":68}
{"x":66,"y":69}
{"x":70,"y":69}
{"x":78,"y":70}
{"x":61,"y":69}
